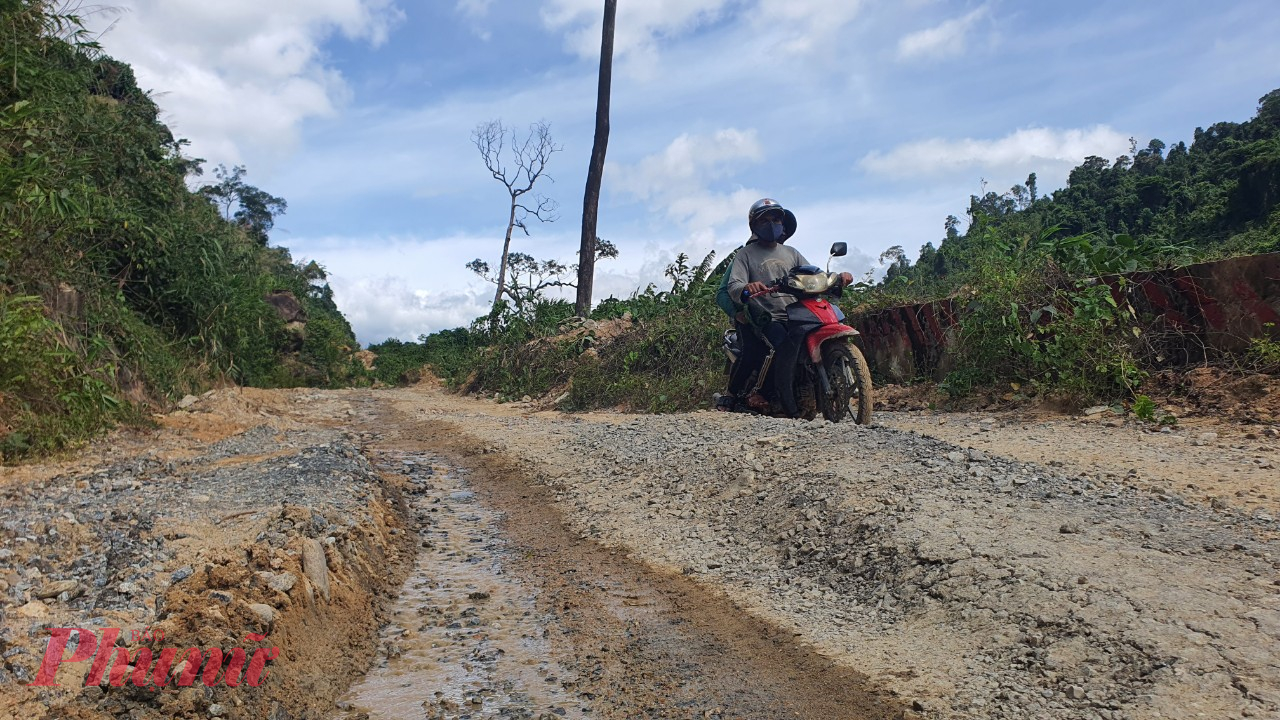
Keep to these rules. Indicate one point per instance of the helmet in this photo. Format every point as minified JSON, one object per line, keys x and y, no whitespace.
{"x":767,"y":207}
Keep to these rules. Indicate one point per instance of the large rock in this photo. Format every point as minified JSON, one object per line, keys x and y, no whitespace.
{"x":315,"y":566}
{"x":286,"y":306}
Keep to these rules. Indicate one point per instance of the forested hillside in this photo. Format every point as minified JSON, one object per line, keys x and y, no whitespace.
{"x":120,"y":286}
{"x":1216,"y":198}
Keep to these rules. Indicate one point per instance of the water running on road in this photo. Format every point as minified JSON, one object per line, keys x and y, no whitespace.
{"x":464,"y":641}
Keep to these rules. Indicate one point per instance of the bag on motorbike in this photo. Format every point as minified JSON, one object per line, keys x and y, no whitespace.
{"x":722,"y":295}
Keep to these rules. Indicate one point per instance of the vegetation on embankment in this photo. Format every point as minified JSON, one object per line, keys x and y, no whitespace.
{"x":121,"y":287}
{"x":657,"y":351}
{"x":1035,"y":316}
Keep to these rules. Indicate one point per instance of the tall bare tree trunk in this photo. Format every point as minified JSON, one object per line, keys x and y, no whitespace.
{"x":591,"y":201}
{"x":506,"y":252}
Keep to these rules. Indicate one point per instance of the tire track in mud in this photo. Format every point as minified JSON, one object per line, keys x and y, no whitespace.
{"x":641,"y":643}
{"x":464,"y":639}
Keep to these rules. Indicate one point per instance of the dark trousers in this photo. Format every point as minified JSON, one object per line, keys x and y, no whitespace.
{"x":754,"y":351}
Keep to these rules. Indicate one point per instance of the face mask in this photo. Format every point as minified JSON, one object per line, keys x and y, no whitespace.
{"x":772,"y":232}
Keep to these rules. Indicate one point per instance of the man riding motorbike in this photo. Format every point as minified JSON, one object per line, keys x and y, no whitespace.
{"x":761,"y":320}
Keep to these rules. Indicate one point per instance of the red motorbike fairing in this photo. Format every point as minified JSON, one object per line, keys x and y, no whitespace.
{"x":816,"y":338}
{"x":823,"y":310}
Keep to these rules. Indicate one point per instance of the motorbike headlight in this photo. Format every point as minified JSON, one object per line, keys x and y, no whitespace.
{"x":814,"y":283}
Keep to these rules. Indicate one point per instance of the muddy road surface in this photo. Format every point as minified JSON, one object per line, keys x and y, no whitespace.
{"x":411,"y":554}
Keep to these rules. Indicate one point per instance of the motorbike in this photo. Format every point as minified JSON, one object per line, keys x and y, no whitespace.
{"x":829,"y":374}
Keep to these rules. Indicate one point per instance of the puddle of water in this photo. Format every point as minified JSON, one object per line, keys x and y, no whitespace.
{"x":464,"y":641}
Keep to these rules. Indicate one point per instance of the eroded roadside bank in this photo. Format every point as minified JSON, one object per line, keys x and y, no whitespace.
{"x":240,"y":517}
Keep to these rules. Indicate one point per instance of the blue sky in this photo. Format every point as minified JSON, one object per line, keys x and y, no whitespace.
{"x":872,"y":120}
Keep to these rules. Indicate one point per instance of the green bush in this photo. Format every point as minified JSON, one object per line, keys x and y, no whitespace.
{"x":52,"y":393}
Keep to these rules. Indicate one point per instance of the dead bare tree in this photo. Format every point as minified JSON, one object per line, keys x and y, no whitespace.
{"x":518,"y":163}
{"x":595,"y":173}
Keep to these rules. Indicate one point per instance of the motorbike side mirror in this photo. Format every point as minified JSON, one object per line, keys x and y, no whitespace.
{"x":839,"y":249}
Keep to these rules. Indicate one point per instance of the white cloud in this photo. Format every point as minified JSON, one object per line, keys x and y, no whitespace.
{"x":389,"y":307}
{"x":639,"y":24}
{"x":677,"y":180}
{"x":805,"y":25}
{"x":237,"y":77}
{"x":474,"y":9}
{"x":794,"y":26}
{"x":406,"y":286}
{"x":945,"y":40}
{"x":1023,"y":150}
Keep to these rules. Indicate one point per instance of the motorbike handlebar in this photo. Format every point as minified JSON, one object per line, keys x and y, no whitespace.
{"x":766,"y":291}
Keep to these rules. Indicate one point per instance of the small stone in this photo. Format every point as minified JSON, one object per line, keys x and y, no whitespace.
{"x":1075,"y":692}
{"x":1095,"y":410}
{"x":54,"y":589}
{"x":33,"y":610}
{"x":1069,"y":529}
{"x":217,"y":710}
{"x":283,"y":582}
{"x":955,"y":456}
{"x":478,"y":595}
{"x":187,"y":402}
{"x":220,"y":596}
{"x":182,"y":573}
{"x":265,"y":614}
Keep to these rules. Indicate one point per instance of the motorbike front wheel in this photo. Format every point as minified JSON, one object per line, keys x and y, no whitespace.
{"x":850,"y":384}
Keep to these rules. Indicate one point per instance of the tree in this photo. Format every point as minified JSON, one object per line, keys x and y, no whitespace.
{"x":899,"y":264}
{"x":526,"y":277}
{"x":518,"y":166}
{"x":595,"y":172}
{"x":254,"y":210}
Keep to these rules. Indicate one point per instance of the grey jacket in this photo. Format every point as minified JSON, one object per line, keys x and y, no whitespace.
{"x":754,"y":263}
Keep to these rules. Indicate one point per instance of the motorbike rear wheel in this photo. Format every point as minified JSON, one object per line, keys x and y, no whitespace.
{"x":850,"y":379}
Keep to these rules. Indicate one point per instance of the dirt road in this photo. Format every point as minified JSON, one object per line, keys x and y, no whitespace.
{"x":492,"y":560}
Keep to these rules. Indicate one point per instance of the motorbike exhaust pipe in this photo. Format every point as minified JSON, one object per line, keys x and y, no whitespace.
{"x":764,"y":370}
